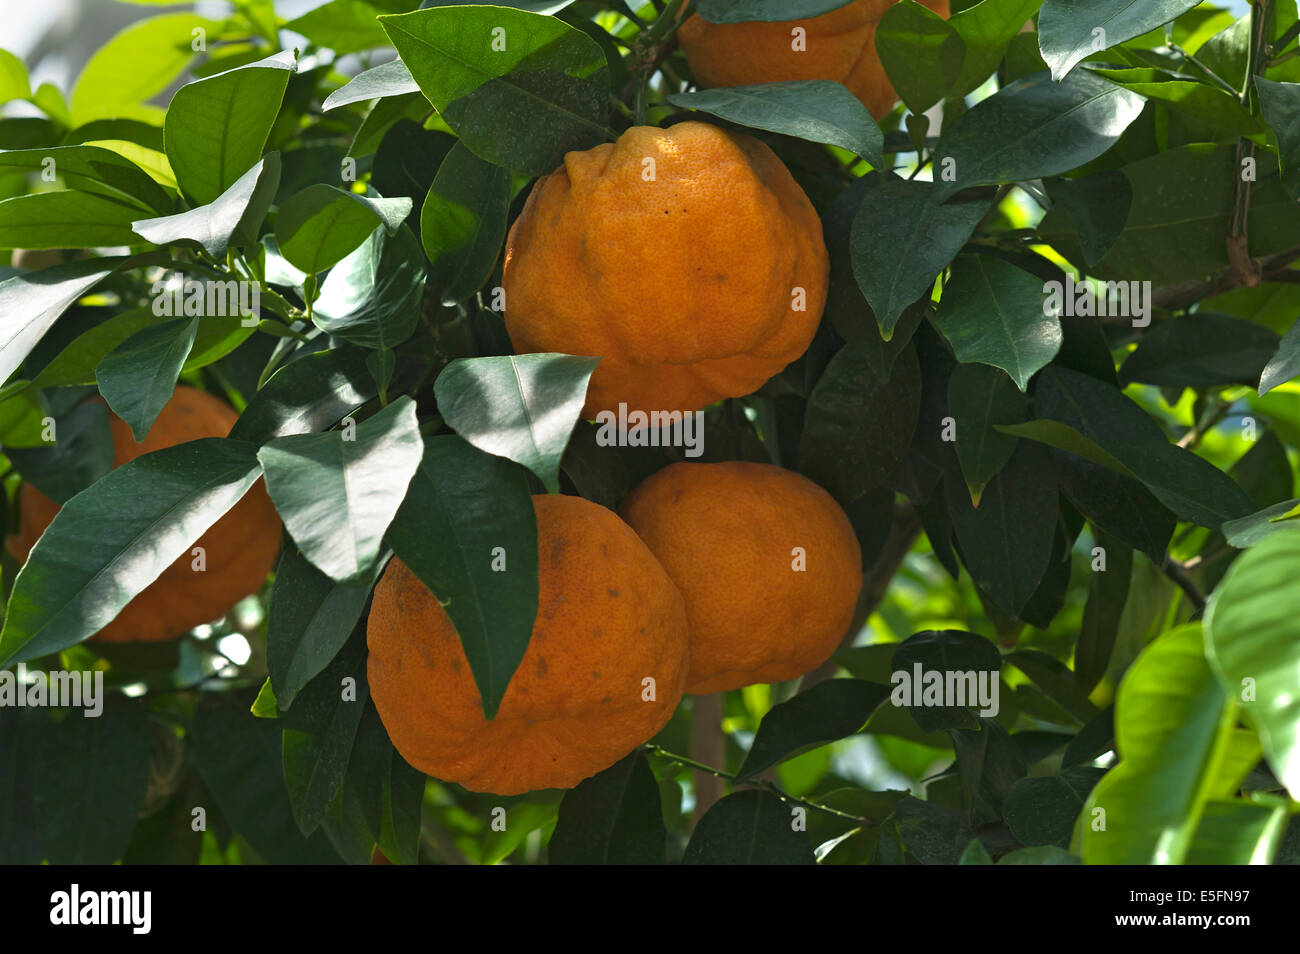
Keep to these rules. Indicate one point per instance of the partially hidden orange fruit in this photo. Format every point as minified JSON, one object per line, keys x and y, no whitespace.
{"x":766,"y":560}
{"x":603,"y":671}
{"x":238,"y":550}
{"x":840,"y":46}
{"x":687,"y":258}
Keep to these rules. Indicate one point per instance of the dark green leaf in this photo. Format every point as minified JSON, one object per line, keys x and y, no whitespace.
{"x":320,"y":225}
{"x":1200,"y":350}
{"x":1068,"y":29}
{"x":1107,"y":596}
{"x":1056,"y":680}
{"x":1098,"y":205}
{"x":521,"y":407}
{"x":112,"y":540}
{"x":216,"y":127}
{"x":82,"y":454}
{"x":981,"y":397}
{"x":239,"y":758}
{"x":828,"y":711}
{"x":338,"y":492}
{"x":309,"y":620}
{"x":344,"y":26}
{"x":389,"y":791}
{"x":311,"y":394}
{"x":1042,"y":810}
{"x":461,"y":505}
{"x":89,"y":168}
{"x":319,"y":733}
{"x":903,"y":237}
{"x":463,"y":221}
{"x":373,"y":297}
{"x":613,"y":817}
{"x":940,"y":651}
{"x":987,"y":29}
{"x":24,"y":736}
{"x":138,"y":377}
{"x":1284,"y":365}
{"x":993,"y":313}
{"x":815,"y":110}
{"x":1280,"y":104}
{"x":921,"y":53}
{"x":90,"y":782}
{"x":66,"y":220}
{"x":990,"y":764}
{"x":858,"y":425}
{"x":1034,"y":128}
{"x":1250,"y":530}
{"x":1006,"y":543}
{"x":738,"y":11}
{"x":748,"y":828}
{"x":235,"y":215}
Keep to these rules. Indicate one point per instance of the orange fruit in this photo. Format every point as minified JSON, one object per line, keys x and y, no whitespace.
{"x":608,"y":618}
{"x":766,"y":560}
{"x":239,"y":549}
{"x":840,"y":46}
{"x":687,"y":258}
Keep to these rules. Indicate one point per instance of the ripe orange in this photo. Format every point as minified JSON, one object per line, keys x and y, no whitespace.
{"x":239,"y":549}
{"x":687,"y":258}
{"x":840,"y":46}
{"x":608,"y":618}
{"x":733,"y":537}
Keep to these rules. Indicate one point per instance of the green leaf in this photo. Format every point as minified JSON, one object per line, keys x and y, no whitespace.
{"x":975,"y":854}
{"x":1071,"y":30}
{"x":921,"y":53}
{"x":1034,"y":128}
{"x":463,"y":221}
{"x":1247,"y":531}
{"x":1181,"y":215}
{"x":311,"y":394}
{"x":236,"y":214}
{"x":828,"y":711}
{"x":136,"y":65}
{"x":941,"y":651}
{"x":815,"y":110}
{"x":1042,"y":810}
{"x":337,"y":492}
{"x":748,"y":828}
{"x":217,"y":127}
{"x":993,"y":313}
{"x":1205,"y":113}
{"x":319,"y":226}
{"x":1284,"y":364}
{"x":14,"y":83}
{"x":859,"y":425}
{"x":391,"y":793}
{"x":344,"y":26}
{"x":319,"y":733}
{"x":373,"y":297}
{"x":65,"y":220}
{"x":522,"y":105}
{"x":987,"y":28}
{"x":1280,"y":104}
{"x":981,"y":397}
{"x":1098,"y":205}
{"x":612,"y":818}
{"x":521,"y":407}
{"x":1200,"y":350}
{"x":309,"y":620}
{"x":902,"y":239}
{"x":265,"y":706}
{"x":24,"y":735}
{"x":1171,"y":727}
{"x":1188,"y":485}
{"x":138,"y":377}
{"x":933,"y":834}
{"x":1250,"y":641}
{"x":1064,"y":437}
{"x":1006,"y":543}
{"x":90,"y":782}
{"x":82,"y":454}
{"x":461,"y":505}
{"x":1238,"y":832}
{"x":114,"y":538}
{"x":387,"y":79}
{"x":1056,"y":680}
{"x":239,"y":758}
{"x":1107,"y":596}
{"x":89,"y":168}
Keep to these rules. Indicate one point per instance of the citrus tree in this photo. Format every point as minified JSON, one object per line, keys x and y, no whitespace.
{"x":739,"y":431}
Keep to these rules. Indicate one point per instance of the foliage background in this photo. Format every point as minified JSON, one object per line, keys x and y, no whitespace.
{"x":1065,"y":635}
